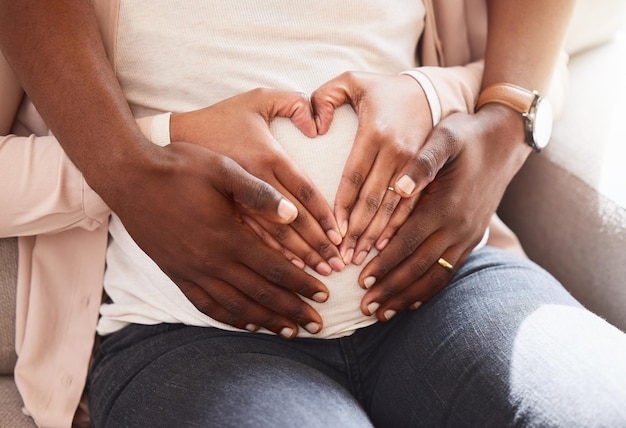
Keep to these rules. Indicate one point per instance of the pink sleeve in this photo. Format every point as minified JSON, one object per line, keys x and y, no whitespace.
{"x":41,"y":191}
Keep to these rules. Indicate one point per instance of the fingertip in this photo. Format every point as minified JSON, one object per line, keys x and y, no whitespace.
{"x":287,"y":211}
{"x":405,"y":186}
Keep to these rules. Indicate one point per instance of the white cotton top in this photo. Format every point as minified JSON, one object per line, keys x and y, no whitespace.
{"x":181,"y":56}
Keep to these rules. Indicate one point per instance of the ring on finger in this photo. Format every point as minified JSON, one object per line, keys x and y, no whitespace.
{"x":445,"y":264}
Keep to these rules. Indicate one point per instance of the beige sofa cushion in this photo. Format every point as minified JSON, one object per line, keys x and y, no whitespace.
{"x":8,"y":281}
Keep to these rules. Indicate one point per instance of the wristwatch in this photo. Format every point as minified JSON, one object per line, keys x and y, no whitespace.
{"x":535,"y":110}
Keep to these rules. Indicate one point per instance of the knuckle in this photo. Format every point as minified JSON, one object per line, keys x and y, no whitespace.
{"x":305,"y":194}
{"x":301,"y":220}
{"x":324,"y":248}
{"x":417,"y":267}
{"x":310,"y":258}
{"x":372,"y":203}
{"x":409,"y":243}
{"x":263,"y":295}
{"x":281,"y":232}
{"x":235,"y":306}
{"x":355,"y":178}
{"x":448,"y":134}
{"x":277,"y":273}
{"x":426,"y":162}
{"x":296,"y":313}
{"x":389,"y":208}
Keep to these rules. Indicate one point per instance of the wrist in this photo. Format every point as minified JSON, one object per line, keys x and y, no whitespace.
{"x":505,"y":134}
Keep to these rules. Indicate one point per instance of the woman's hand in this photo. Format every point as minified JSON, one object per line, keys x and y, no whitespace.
{"x":464,"y":168}
{"x":238,"y":128}
{"x":394,"y":120}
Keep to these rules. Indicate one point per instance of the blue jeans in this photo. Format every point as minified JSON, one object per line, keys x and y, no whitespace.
{"x":502,"y":345}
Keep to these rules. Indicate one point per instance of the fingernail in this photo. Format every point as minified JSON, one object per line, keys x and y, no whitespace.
{"x":382,"y":245}
{"x":360,"y":257}
{"x":323,"y":269}
{"x":287,"y":210}
{"x":406,"y":184}
{"x":347,"y":256}
{"x":369,"y":281}
{"x":252,"y":327}
{"x":313,"y":327}
{"x":298,"y":263}
{"x":320,"y":297}
{"x":416,"y":305}
{"x":389,"y":313}
{"x":336,"y":264}
{"x":372,"y":307}
{"x":343,"y":228}
{"x":334,"y":236}
{"x":287,"y":332}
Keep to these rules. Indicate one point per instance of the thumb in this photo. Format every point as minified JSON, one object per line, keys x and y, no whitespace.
{"x":295,"y":106}
{"x":256,"y":195}
{"x":327,"y":98}
{"x":440,"y":147}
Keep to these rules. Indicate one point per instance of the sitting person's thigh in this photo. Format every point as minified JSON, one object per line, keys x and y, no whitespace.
{"x":504,"y":344}
{"x":172,"y":375}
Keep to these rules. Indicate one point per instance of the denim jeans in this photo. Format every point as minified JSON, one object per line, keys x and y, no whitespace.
{"x":502,"y":345}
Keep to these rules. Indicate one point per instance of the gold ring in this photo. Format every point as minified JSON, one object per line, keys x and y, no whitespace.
{"x":391,"y":189}
{"x":445,"y":264}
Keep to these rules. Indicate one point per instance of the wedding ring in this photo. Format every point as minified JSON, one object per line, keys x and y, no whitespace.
{"x":445,"y":264}
{"x":391,"y":189}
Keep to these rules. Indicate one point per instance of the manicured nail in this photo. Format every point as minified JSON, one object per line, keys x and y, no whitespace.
{"x":298,"y":263}
{"x":347,"y":256}
{"x":372,"y":307}
{"x":334,"y":236}
{"x":323,"y":269}
{"x":382,"y":245}
{"x":369,"y":281}
{"x":343,"y":228}
{"x":313,"y":327}
{"x":336,"y":264}
{"x":287,"y":210}
{"x":416,"y":305}
{"x":406,"y":184}
{"x":389,"y":313}
{"x":252,"y":327}
{"x":360,"y":258}
{"x":287,"y":332}
{"x":320,"y":297}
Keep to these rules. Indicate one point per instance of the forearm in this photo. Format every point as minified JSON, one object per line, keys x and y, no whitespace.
{"x":89,"y":116}
{"x":524,"y":41}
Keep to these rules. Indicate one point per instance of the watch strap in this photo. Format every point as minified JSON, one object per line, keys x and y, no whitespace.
{"x":515,"y":97}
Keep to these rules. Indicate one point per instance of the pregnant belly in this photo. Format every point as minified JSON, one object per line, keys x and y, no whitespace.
{"x":322,"y":159}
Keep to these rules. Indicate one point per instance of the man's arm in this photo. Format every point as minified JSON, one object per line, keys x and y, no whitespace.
{"x":467,"y":162}
{"x":56,"y":50}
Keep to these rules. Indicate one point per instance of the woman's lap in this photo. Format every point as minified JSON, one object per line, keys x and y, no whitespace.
{"x":503,"y":344}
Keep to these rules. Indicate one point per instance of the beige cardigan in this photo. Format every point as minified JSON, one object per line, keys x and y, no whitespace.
{"x":62,"y":223}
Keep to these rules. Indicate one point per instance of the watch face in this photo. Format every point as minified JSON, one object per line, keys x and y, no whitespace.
{"x":542,"y":123}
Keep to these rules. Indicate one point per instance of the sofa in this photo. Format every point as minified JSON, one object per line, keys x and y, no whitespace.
{"x":567,"y":204}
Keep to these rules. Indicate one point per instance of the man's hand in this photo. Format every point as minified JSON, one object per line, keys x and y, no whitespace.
{"x":466,"y":164}
{"x":190,"y":225}
{"x":394,"y":120}
{"x":239,"y":128}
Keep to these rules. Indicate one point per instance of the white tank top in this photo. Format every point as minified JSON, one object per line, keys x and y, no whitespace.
{"x":181,"y":56}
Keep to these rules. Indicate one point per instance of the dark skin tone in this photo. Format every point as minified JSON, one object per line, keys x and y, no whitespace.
{"x":151,"y":178}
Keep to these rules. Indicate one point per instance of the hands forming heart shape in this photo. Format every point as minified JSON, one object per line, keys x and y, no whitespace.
{"x":444,"y":196}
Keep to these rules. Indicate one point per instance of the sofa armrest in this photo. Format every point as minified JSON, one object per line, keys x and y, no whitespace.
{"x":568,"y":204}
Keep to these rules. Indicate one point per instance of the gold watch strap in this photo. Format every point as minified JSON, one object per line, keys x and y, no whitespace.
{"x":510,"y":95}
